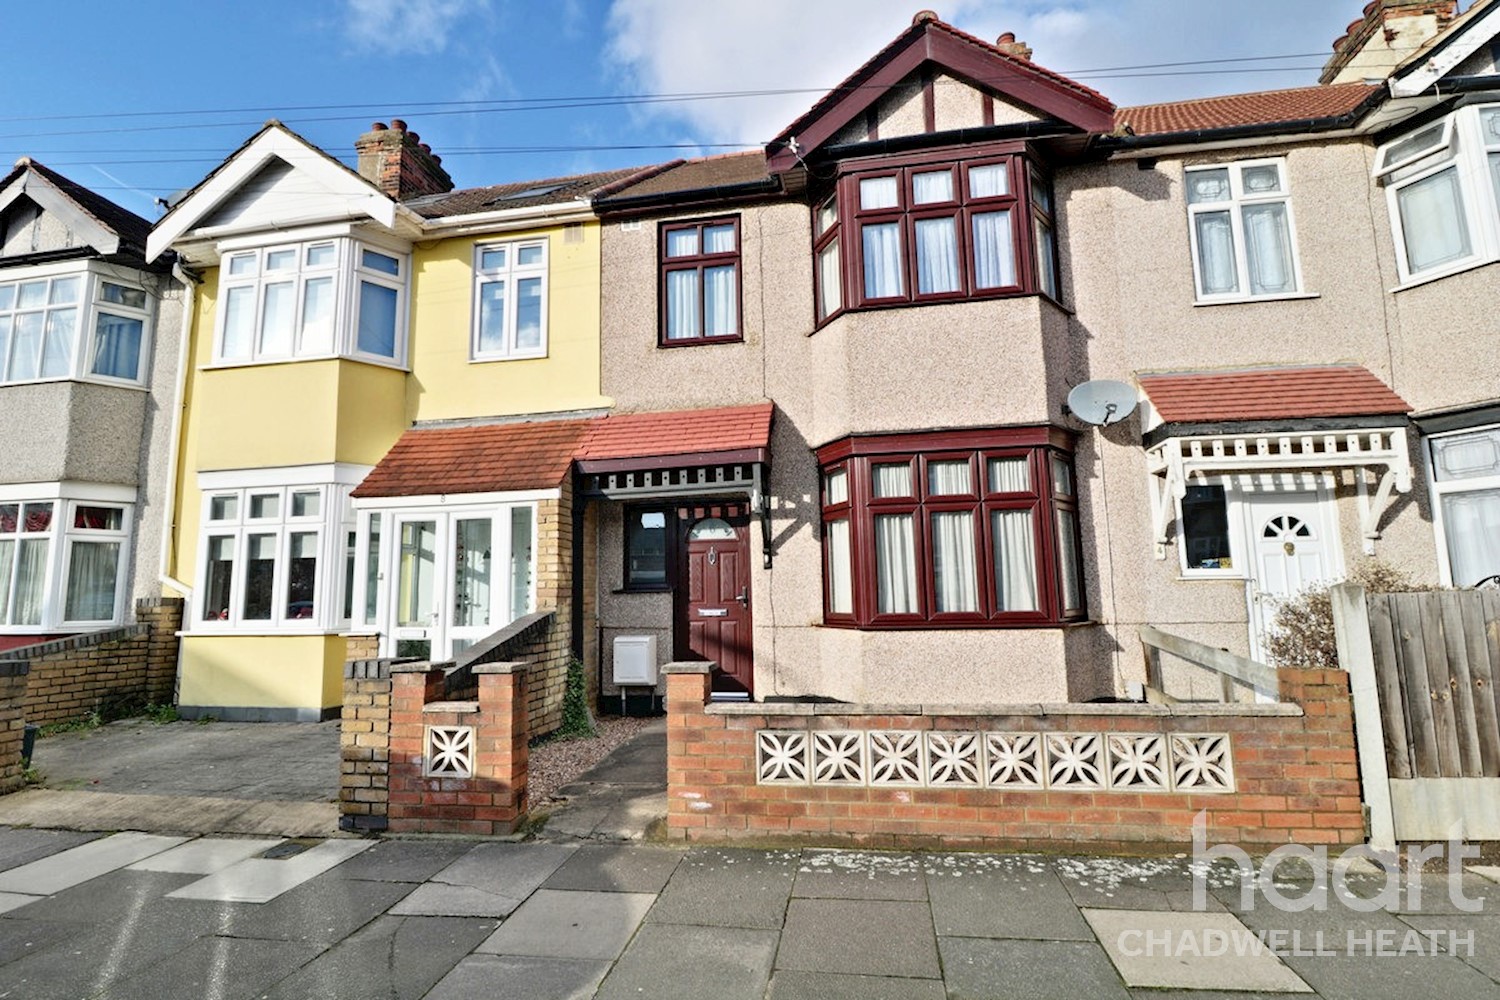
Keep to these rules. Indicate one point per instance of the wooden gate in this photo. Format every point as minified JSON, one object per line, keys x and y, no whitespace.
{"x":1423,"y":671}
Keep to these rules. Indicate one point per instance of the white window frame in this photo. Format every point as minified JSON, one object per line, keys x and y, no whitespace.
{"x":89,"y":304}
{"x":1463,"y":148}
{"x":1234,"y":512}
{"x":512,"y":273}
{"x":1235,"y":205}
{"x":60,"y":537}
{"x":347,"y":272}
{"x":1439,"y":489}
{"x":331,"y":524}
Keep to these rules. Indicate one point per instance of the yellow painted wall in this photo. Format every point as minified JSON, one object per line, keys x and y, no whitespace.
{"x":262,"y":671}
{"x":445,"y":384}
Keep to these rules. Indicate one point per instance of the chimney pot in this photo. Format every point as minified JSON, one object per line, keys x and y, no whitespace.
{"x":413,"y":138}
{"x":398,"y":164}
{"x":398,"y":124}
{"x":1006,"y":39}
{"x":1007,"y":43}
{"x":378,"y":127}
{"x":924,"y":15}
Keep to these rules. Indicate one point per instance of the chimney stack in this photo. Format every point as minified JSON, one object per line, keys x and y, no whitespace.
{"x":399,"y":163}
{"x":1007,"y":43}
{"x":1386,"y":32}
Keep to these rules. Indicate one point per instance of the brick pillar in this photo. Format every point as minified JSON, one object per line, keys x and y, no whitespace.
{"x":364,"y":747}
{"x":501,"y":756}
{"x":688,"y":688}
{"x":361,"y":646}
{"x":1331,"y":768}
{"x":12,"y":722}
{"x":163,"y":616}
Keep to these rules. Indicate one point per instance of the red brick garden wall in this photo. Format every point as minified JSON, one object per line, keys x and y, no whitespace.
{"x":1293,"y":766}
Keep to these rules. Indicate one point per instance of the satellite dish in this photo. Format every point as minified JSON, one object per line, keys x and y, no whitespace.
{"x":1102,"y":401}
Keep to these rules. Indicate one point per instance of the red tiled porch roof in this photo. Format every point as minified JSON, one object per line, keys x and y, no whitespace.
{"x":486,"y":458}
{"x":1270,"y":394}
{"x":635,"y":438}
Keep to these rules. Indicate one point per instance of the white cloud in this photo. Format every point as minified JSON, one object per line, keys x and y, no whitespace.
{"x":687,"y":46}
{"x":417,"y":27}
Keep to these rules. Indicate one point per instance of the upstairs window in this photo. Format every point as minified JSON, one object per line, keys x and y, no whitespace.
{"x":319,"y":299}
{"x":1442,"y":186}
{"x":700,"y":282}
{"x":78,"y":324}
{"x":510,"y":300}
{"x":1240,"y":227}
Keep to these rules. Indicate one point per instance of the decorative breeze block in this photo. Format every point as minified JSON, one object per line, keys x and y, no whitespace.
{"x":1014,"y":760}
{"x":449,"y":752}
{"x":953,"y":759}
{"x":895,"y":757}
{"x":1201,"y":763}
{"x":781,"y":758}
{"x":838,"y":758}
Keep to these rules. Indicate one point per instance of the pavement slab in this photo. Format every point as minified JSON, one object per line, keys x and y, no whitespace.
{"x":611,"y":868}
{"x":490,"y":880}
{"x":791,"y":985}
{"x":402,"y":860}
{"x":556,"y":923}
{"x":394,"y":958}
{"x":728,"y":888}
{"x":860,"y":875}
{"x":76,"y":865}
{"x":19,"y":847}
{"x":223,"y":968}
{"x":1482,"y":950}
{"x":875,"y":937}
{"x":1394,"y":978}
{"x":1003,"y":897}
{"x":1189,"y":951}
{"x":192,"y":816}
{"x":478,"y":977}
{"x":259,"y":880}
{"x":204,"y":856}
{"x":977,"y":969}
{"x":692,"y":963}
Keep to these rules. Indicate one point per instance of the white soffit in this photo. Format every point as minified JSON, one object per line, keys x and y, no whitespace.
{"x":332,"y":190}
{"x":1424,"y":71}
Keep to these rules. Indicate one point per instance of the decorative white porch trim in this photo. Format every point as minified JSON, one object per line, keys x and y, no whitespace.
{"x":1380,"y":451}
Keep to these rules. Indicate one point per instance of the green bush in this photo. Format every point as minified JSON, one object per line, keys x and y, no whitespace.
{"x":577,"y":720}
{"x":1302,"y":631}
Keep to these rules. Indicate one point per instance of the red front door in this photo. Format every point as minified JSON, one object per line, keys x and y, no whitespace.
{"x":713,"y":608}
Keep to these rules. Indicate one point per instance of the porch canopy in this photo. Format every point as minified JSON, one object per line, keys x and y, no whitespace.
{"x":1293,"y":420}
{"x":476,"y":458}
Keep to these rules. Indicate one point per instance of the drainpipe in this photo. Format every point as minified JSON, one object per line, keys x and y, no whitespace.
{"x":189,"y":295}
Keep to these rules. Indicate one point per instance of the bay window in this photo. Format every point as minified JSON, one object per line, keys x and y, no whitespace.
{"x":72,"y":322}
{"x":1442,"y":184}
{"x":318,"y":299}
{"x":961,"y":529}
{"x":916,"y":229}
{"x":1240,"y":229}
{"x":510,"y":300}
{"x":700,"y":282}
{"x":1465,"y":479}
{"x":62,"y":561}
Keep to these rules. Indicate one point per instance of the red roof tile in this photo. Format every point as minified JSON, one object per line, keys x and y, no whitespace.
{"x":677,"y":432}
{"x":1270,"y":394}
{"x":478,"y":459}
{"x":1267,"y":107}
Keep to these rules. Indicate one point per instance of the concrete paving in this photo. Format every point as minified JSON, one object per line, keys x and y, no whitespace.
{"x":620,"y":799}
{"x":399,"y":919}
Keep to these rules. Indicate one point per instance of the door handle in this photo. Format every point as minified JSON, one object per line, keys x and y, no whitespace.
{"x":744,"y":597}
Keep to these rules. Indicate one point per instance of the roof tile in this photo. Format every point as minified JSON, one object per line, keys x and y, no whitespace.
{"x":677,"y":432}
{"x":1270,"y":394}
{"x":1267,"y":107}
{"x":484,"y":458}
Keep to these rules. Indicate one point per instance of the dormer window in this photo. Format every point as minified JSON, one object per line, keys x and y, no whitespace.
{"x":318,"y":299}
{"x":934,"y":231}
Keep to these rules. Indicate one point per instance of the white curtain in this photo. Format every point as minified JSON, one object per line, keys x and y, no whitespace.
{"x":1471,"y":522}
{"x":1268,"y":249}
{"x":988,"y":181}
{"x":682,"y":305}
{"x":1015,"y":560}
{"x":92,"y":572}
{"x":836,"y":486}
{"x":57,"y":357}
{"x":895,"y":565}
{"x":1067,"y":559}
{"x":1216,"y":266}
{"x":878,"y":192}
{"x":682,"y":243}
{"x":1009,"y":475}
{"x":31,"y":576}
{"x":840,"y":584}
{"x":1495,"y":171}
{"x":882,"y":250}
{"x":27,"y":347}
{"x":1046,"y":256}
{"x":720,"y":298}
{"x":718,"y":239}
{"x":994,"y":250}
{"x":933,"y":187}
{"x":830,"y":280}
{"x":953,"y":561}
{"x":949,"y":478}
{"x":7,"y":563}
{"x":891,"y":480}
{"x":937,"y":255}
{"x":1432,"y":220}
{"x":117,"y":346}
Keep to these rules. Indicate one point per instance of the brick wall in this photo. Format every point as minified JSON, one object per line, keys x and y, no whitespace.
{"x":112,"y":671}
{"x":1294,"y":776}
{"x":548,"y":655}
{"x":361,"y":646}
{"x":12,"y":724}
{"x":364,"y":745}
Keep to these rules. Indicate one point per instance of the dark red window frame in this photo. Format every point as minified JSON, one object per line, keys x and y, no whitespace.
{"x":700,"y":262}
{"x":1049,"y":500}
{"x":1025,"y":174}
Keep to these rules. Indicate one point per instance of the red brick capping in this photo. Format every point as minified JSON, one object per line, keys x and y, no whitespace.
{"x":1295,"y":776}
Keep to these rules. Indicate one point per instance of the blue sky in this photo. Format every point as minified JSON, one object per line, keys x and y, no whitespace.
{"x":139,"y":100}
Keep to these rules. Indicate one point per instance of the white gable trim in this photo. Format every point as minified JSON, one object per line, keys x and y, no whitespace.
{"x":54,"y":202}
{"x":1428,"y":70}
{"x":273,"y":143}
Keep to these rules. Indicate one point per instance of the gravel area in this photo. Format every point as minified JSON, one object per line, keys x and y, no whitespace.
{"x":555,"y":763}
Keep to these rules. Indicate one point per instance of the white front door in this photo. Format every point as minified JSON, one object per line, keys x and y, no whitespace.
{"x":417,"y":597}
{"x":1294,"y":545}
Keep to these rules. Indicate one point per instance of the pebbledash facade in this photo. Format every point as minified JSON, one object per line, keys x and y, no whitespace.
{"x":803,"y":411}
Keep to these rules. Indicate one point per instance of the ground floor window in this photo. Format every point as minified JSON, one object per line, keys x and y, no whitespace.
{"x":960,"y":528}
{"x":1466,"y":488}
{"x":435,"y":581}
{"x":62,"y":560}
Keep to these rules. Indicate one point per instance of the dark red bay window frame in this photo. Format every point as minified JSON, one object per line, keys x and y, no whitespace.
{"x":859,"y":455}
{"x":700,"y":262}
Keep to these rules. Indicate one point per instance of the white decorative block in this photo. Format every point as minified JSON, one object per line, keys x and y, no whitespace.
{"x":1137,"y":763}
{"x":1013,"y":760}
{"x":1201,"y":763}
{"x":781,"y":758}
{"x":838,"y":758}
{"x":953,"y":759}
{"x":450,"y":752}
{"x":1075,"y":761}
{"x":895,"y":757}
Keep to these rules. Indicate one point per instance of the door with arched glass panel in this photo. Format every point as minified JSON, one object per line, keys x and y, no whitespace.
{"x":713,"y":620}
